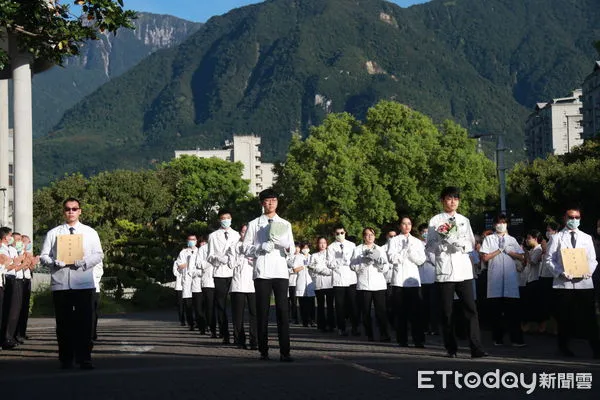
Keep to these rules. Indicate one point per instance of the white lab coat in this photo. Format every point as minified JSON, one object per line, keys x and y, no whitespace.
{"x":406,"y":261}
{"x":534,"y":263}
{"x":188,"y":257}
{"x":427,"y":270}
{"x":370,"y":273}
{"x":562,"y":240}
{"x":293,"y":277}
{"x":221,"y":252}
{"x":322,"y":275}
{"x":243,"y":270}
{"x":271,"y":265}
{"x":197,"y":268}
{"x":503,"y":278}
{"x":389,"y":271}
{"x":452,"y":262}
{"x":177,"y":275}
{"x":338,"y":260}
{"x":305,"y":286}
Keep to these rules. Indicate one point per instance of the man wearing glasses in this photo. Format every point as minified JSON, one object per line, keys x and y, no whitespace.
{"x":574,"y":294}
{"x":270,"y":251}
{"x":73,"y":288}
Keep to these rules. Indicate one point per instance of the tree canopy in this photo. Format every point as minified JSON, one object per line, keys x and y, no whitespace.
{"x":51,"y":30}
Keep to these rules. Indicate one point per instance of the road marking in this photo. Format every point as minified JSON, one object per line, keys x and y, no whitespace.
{"x":136,"y":350}
{"x":362,"y":368}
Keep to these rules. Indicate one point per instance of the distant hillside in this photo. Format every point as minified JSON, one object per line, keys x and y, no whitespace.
{"x":281,"y":65}
{"x":59,"y":89}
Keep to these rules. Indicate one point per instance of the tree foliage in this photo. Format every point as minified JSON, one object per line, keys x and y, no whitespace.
{"x":49,"y":30}
{"x":368,"y":174}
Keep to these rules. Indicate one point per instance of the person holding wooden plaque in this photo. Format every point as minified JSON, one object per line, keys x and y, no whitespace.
{"x":72,"y":251}
{"x":572,"y":259}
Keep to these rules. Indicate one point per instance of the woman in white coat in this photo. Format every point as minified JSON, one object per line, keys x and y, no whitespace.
{"x":195,"y":272}
{"x":242,"y":295}
{"x":293,"y":302}
{"x":305,"y":286}
{"x":370,"y":264}
{"x":407,"y":255}
{"x":500,"y":250}
{"x":323,"y":278}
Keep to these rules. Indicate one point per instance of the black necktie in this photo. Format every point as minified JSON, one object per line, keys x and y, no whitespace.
{"x":72,"y":230}
{"x":342,"y":247}
{"x":270,"y":220}
{"x":226,"y":235}
{"x":573,"y":240}
{"x":501,"y":242}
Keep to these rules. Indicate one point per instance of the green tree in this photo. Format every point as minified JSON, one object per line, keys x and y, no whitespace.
{"x":50,"y":31}
{"x":367,"y":174}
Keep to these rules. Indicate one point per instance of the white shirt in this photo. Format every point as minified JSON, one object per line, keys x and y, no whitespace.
{"x":221,"y":251}
{"x":503,"y":278}
{"x":13,"y":253}
{"x":305,"y":286}
{"x":243,"y":271}
{"x":98,"y":272}
{"x":369,"y":276}
{"x":407,"y":254}
{"x":3,"y":250}
{"x":188,"y":257}
{"x":389,"y":270}
{"x":271,"y":265}
{"x":452,"y":263}
{"x":562,"y":240}
{"x":339,"y":256}
{"x":321,"y":274}
{"x":67,"y":278}
{"x":534,"y":262}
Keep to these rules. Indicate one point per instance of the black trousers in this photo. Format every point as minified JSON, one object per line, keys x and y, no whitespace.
{"x":222,"y":286}
{"x":208,"y":297}
{"x":325,"y":321}
{"x":189,"y":312}
{"x":180,"y":307}
{"x":505,"y":311}
{"x":13,"y":298}
{"x":279,"y":288}
{"x":389,"y":305}
{"x":366,"y":298}
{"x":24,"y":314}
{"x":430,"y":308}
{"x":464,"y":290}
{"x":576,"y":317}
{"x":307,"y":309}
{"x":346,"y":303}
{"x":482,"y":304}
{"x":1,"y":307}
{"x":96,"y":306}
{"x":293,"y":307}
{"x":74,"y":313}
{"x":198,"y":309}
{"x":548,"y":298}
{"x":238,"y":303}
{"x":408,"y":306}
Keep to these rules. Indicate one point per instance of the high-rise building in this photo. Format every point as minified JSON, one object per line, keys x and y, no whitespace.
{"x":590,"y":99}
{"x":554,"y":127}
{"x":244,"y":149}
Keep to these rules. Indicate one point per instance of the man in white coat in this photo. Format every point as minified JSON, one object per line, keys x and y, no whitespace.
{"x":185,"y":261}
{"x":242,"y":295}
{"x":221,"y":254}
{"x":271,"y":274}
{"x":73,"y":288}
{"x":449,"y":241}
{"x":574,"y":294}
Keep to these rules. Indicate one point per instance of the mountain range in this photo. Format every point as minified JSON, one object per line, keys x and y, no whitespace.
{"x":280,"y":66}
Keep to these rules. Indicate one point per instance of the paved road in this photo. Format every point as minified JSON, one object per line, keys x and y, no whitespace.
{"x":149,"y":356}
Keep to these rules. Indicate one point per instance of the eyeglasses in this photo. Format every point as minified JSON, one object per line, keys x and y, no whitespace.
{"x":340,"y":233}
{"x":573,"y":216}
{"x":67,"y":209}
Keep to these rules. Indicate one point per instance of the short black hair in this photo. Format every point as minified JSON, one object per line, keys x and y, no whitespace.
{"x":71,"y":199}
{"x":450,"y":191}
{"x":553,"y":225}
{"x":4,"y":232}
{"x":223,"y":212}
{"x":501,"y":217}
{"x":537,"y":235}
{"x":268,"y":194}
{"x":422,"y":226}
{"x":338,"y":226}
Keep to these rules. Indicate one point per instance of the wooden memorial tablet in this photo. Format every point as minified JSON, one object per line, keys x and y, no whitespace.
{"x":575,"y":262}
{"x":69,"y":248}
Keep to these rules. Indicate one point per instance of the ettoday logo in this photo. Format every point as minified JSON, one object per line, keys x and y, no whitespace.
{"x":503,"y":380}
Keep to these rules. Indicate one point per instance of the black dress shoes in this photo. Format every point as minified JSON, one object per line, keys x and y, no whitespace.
{"x":86,"y":365}
{"x":9,"y":345}
{"x":264,"y":356}
{"x":285,"y":358}
{"x":478,"y":354}
{"x":451,"y":354}
{"x":66,"y":365}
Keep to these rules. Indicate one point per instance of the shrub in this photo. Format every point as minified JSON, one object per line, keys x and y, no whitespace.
{"x":153,"y":296}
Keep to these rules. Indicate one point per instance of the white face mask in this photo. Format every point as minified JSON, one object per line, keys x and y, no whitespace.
{"x":501,"y":228}
{"x":305,"y":251}
{"x":225,"y":223}
{"x":340,"y":237}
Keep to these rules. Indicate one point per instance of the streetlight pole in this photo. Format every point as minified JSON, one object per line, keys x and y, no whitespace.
{"x":500,"y":165}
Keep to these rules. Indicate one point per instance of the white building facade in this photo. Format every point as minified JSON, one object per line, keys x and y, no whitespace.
{"x":554,"y":127}
{"x":244,"y":149}
{"x":590,"y":99}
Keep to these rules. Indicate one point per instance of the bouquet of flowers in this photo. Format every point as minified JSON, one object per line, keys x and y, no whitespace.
{"x":447,"y":229}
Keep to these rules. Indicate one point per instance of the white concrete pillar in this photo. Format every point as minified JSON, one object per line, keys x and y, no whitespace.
{"x":4,"y":154}
{"x":23,"y":145}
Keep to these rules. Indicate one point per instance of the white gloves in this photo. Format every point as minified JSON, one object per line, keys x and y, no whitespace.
{"x":60,"y":264}
{"x":281,"y":243}
{"x":267,"y":247}
{"x":80,"y":263}
{"x":222,"y":259}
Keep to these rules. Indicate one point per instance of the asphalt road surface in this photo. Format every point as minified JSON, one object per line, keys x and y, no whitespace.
{"x":150,"y":356}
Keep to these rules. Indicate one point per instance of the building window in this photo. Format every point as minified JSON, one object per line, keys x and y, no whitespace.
{"x":11,"y":175}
